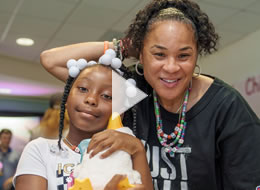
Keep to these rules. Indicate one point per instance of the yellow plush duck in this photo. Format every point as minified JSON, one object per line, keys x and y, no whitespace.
{"x":95,"y":173}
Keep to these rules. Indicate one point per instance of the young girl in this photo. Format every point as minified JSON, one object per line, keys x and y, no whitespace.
{"x":46,"y":164}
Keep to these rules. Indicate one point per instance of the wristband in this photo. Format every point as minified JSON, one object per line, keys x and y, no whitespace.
{"x":117,"y":48}
{"x":106,"y":46}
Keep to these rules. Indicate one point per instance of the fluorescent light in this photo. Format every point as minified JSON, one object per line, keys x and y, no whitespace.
{"x":5,"y":91}
{"x":24,"y":41}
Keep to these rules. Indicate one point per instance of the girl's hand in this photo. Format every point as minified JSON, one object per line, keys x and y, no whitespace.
{"x":137,"y":187}
{"x":113,"y":184}
{"x":114,"y":140}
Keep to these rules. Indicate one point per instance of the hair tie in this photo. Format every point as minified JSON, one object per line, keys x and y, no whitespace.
{"x":109,"y":59}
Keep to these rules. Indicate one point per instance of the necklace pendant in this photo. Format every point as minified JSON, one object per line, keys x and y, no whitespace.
{"x":76,"y":149}
{"x":172,"y":154}
{"x":166,"y":149}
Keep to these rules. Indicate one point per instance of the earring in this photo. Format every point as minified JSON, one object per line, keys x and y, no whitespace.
{"x":136,"y":69}
{"x":198,"y":73}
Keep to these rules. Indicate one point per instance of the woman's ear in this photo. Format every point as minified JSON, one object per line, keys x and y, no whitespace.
{"x":141,"y":58}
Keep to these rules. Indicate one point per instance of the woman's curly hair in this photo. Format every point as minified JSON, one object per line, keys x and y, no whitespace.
{"x":205,"y":33}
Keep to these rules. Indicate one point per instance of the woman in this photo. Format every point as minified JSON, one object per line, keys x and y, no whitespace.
{"x":199,"y":132}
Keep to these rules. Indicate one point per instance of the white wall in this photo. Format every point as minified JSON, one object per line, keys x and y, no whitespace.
{"x":239,"y":65}
{"x":26,"y":70}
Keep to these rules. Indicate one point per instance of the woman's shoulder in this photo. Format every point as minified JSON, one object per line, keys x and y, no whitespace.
{"x":210,"y":91}
{"x":223,"y":93}
{"x":210,"y":83}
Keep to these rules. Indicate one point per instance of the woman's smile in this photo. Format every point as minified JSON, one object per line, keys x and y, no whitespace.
{"x":169,"y":83}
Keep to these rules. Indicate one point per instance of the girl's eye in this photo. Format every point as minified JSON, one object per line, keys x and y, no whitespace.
{"x":82,"y":89}
{"x":107,"y":97}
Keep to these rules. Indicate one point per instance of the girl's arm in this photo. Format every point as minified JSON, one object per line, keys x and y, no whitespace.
{"x":113,"y":184}
{"x":141,"y":165}
{"x":54,"y":60}
{"x":31,"y":170}
{"x":128,"y":143}
{"x":30,"y":182}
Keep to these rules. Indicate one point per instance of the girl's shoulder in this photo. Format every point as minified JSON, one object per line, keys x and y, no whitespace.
{"x":41,"y":144}
{"x":40,"y":141}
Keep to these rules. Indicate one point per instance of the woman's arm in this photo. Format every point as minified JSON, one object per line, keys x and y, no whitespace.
{"x":55,"y":60}
{"x":237,"y":142}
{"x":30,"y":182}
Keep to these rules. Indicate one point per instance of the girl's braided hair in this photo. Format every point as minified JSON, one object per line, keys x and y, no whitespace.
{"x":205,"y":33}
{"x":66,"y":92}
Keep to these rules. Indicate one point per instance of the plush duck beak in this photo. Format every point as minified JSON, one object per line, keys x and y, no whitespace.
{"x":115,"y":121}
{"x":81,"y":184}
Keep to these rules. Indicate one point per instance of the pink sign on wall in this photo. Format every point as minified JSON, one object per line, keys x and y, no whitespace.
{"x":250,"y":90}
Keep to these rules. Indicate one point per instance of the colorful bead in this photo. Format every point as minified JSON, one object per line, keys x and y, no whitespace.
{"x":179,"y":131}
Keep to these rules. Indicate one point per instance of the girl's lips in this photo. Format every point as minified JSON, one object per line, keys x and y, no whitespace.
{"x":169,"y":83}
{"x":87,"y":115}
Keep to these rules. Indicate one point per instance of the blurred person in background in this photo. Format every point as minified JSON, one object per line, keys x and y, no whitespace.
{"x":8,"y":160}
{"x":49,"y":124}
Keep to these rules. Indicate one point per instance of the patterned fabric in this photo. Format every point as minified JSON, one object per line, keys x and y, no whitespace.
{"x":42,"y":157}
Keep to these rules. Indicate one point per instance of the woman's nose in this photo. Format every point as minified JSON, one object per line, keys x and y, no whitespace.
{"x":171,"y":66}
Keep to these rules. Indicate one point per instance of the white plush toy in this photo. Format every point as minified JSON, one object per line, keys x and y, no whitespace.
{"x":95,"y":173}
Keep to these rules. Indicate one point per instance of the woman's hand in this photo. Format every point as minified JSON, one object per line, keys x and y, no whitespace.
{"x":114,"y":140}
{"x":113,"y":184}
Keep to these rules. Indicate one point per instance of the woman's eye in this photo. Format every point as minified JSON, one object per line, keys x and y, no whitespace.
{"x":183,"y":56}
{"x":83,"y":89}
{"x":107,"y":97}
{"x":159,"y":54}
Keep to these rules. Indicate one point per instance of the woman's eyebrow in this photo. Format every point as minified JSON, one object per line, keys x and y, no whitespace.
{"x":159,"y":47}
{"x":186,"y":48}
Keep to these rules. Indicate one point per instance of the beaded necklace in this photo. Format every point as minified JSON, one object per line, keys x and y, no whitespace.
{"x":73,"y":147}
{"x":177,"y":136}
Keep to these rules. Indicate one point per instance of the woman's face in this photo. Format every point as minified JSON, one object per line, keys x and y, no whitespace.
{"x":169,"y":57}
{"x":89,"y":103}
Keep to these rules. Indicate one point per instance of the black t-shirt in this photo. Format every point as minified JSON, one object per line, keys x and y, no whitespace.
{"x":221,"y":149}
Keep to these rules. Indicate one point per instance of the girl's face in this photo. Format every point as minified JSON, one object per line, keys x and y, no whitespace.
{"x":89,"y":103}
{"x":169,"y":57}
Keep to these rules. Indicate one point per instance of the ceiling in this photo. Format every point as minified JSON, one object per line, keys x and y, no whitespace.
{"x":52,"y":23}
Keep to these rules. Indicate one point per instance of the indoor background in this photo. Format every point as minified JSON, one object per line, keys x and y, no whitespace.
{"x":25,"y":86}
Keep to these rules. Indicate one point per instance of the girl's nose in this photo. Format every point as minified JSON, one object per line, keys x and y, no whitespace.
{"x":91,"y":99}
